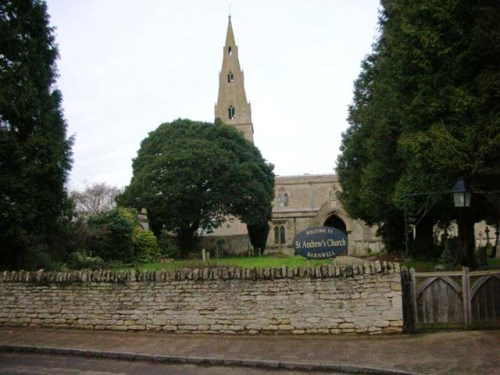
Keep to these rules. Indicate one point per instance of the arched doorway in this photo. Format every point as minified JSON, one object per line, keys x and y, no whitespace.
{"x":335,"y":222}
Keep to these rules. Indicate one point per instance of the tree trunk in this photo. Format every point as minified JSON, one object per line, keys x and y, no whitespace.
{"x":186,"y":239}
{"x":467,"y":243}
{"x":424,"y":242}
{"x":258,"y":235}
{"x":393,"y":233}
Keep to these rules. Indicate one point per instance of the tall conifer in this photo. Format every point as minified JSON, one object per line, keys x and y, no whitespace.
{"x":35,"y":153}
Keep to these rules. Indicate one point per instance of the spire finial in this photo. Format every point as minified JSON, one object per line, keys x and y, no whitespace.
{"x":229,"y":6}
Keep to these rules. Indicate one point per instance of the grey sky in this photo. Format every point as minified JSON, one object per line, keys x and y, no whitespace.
{"x":128,"y":66}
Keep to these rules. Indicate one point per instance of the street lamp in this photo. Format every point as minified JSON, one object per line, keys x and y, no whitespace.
{"x":461,"y":196}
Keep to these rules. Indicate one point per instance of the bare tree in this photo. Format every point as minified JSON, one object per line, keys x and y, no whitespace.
{"x":94,"y":199}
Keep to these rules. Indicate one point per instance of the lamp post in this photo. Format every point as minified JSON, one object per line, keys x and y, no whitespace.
{"x":461,"y":196}
{"x":462,"y":200}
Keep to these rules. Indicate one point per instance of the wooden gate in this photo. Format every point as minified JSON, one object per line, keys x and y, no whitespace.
{"x":459,"y":299}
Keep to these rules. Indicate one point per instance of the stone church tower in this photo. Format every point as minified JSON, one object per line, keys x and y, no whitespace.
{"x":232,"y":106}
{"x":233,"y":109}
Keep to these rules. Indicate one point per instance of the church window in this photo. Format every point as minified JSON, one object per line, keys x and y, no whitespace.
{"x":279,"y":234}
{"x":230,"y":77}
{"x":229,"y":50}
{"x":231,"y":112}
{"x":280,"y":200}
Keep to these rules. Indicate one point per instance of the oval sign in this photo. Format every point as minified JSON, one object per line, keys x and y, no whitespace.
{"x":320,"y":243}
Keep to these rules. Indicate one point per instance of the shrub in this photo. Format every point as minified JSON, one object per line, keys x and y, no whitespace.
{"x":117,"y":236}
{"x":111,"y":235}
{"x":146,"y":247}
{"x":80,"y":261}
{"x":35,"y":259}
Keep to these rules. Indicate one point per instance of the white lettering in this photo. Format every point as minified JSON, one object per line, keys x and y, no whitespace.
{"x":316,"y":230}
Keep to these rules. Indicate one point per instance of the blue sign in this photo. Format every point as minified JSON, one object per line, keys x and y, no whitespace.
{"x":320,"y":243}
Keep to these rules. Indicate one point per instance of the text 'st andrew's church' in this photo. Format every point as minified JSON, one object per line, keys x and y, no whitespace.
{"x":300,"y":202}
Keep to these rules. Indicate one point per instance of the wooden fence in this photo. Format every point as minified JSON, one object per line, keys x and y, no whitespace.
{"x":459,"y":299}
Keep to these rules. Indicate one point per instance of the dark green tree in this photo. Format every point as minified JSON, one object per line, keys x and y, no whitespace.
{"x":426,"y":112}
{"x":35,"y":154}
{"x":111,"y":235}
{"x":369,"y":165}
{"x":192,"y":175}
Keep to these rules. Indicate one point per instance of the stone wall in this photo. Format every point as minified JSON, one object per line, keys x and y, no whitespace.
{"x":326,"y":299}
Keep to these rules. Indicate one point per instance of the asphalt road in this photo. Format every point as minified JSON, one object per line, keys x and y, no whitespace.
{"x":35,"y":364}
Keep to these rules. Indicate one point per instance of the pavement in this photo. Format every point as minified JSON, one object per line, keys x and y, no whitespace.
{"x":454,"y":352}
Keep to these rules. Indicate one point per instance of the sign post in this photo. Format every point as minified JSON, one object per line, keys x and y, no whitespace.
{"x":320,"y":243}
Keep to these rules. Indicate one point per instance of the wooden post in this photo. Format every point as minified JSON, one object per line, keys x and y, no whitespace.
{"x":466,"y":298}
{"x":409,"y":300}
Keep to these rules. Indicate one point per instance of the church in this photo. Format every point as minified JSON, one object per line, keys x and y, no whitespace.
{"x":300,"y":202}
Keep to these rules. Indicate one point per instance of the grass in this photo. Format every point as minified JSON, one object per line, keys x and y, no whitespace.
{"x":422,"y":265}
{"x":270,"y":261}
{"x":493,"y":263}
{"x":266,"y":261}
{"x":428,"y":265}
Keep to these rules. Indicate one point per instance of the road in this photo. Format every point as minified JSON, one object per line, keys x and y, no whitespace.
{"x":35,"y":364}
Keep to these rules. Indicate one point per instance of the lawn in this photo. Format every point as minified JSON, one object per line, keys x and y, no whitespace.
{"x":269,"y":261}
{"x":421,"y":265}
{"x":266,"y":261}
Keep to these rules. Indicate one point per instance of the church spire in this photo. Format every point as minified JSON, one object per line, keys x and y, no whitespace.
{"x":230,"y":34}
{"x":232,"y":106}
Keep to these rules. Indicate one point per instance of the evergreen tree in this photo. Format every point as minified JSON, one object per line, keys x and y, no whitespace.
{"x":426,"y":111}
{"x":35,"y":155}
{"x":191,"y":175}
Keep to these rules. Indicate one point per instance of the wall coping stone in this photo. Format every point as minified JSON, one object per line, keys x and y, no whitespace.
{"x":200,"y":274}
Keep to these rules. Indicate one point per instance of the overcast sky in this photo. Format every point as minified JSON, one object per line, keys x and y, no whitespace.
{"x":126,"y":66}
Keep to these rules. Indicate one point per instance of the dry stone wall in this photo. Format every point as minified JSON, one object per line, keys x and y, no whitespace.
{"x":326,"y":300}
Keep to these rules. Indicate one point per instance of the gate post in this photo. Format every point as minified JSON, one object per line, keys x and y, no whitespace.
{"x":409,"y":300}
{"x":467,"y":299}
